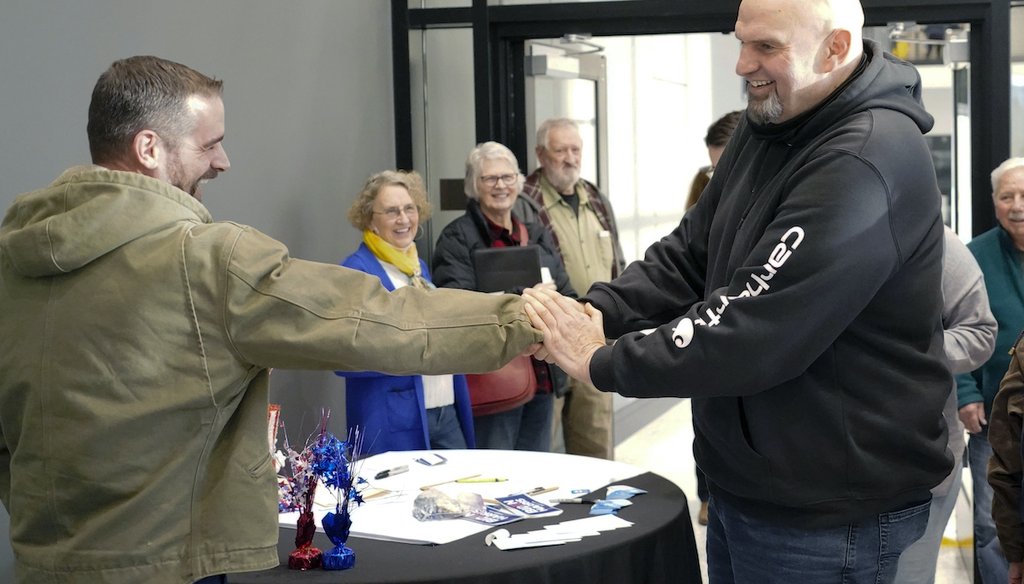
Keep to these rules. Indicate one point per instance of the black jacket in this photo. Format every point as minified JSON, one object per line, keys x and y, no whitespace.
{"x":452,"y":265}
{"x":799,"y":301}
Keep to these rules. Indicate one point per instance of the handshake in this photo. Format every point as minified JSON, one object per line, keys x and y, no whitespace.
{"x":573,"y":332}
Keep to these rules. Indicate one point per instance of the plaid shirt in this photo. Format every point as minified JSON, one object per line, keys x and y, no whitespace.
{"x":530,"y":207}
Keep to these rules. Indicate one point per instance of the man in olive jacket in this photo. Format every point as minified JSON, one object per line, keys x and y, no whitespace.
{"x":137,"y":337}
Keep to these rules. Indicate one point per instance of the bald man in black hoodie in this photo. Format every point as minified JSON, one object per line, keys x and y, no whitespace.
{"x":799,"y":304}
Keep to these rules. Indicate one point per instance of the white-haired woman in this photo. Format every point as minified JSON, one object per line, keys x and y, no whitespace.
{"x":492,"y":184}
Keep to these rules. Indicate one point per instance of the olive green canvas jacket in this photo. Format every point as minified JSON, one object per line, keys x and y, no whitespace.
{"x":135,"y":344}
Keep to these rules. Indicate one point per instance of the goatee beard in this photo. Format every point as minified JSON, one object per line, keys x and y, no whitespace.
{"x":765,"y":111}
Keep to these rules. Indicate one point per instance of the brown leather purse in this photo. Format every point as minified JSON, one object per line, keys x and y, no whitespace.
{"x":507,"y":388}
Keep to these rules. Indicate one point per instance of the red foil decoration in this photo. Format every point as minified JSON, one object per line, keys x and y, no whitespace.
{"x":305,"y":556}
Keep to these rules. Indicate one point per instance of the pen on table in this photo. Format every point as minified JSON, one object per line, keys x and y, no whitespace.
{"x":541,"y":490}
{"x":425,"y":487}
{"x":482,"y":480}
{"x":391,"y":472}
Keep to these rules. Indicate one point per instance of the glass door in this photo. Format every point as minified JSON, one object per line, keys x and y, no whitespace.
{"x":564,"y":80}
{"x":941,"y":54}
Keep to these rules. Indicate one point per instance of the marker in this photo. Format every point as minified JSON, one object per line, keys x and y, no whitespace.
{"x":575,"y":500}
{"x":391,"y":472}
{"x":482,"y":480}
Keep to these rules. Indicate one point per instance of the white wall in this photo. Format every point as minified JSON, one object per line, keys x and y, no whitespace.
{"x":309,"y":115}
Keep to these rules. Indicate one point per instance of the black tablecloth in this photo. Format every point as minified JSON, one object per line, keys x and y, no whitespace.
{"x":659,"y":547}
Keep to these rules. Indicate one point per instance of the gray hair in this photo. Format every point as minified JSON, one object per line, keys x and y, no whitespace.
{"x":477,"y":157}
{"x":1007,"y":165}
{"x":545,"y":128}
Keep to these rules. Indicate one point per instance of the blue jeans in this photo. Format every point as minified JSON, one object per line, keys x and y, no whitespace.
{"x":220,"y":579}
{"x":919,"y":562}
{"x":444,"y":428}
{"x":992,"y":566}
{"x":748,"y":550}
{"x":527,"y":427}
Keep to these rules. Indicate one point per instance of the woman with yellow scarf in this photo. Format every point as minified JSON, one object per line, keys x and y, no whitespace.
{"x":413,"y":412}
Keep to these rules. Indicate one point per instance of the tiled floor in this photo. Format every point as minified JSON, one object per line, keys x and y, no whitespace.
{"x":664,"y":446}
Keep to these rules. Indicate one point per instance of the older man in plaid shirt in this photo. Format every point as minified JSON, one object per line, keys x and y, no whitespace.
{"x":581,"y":220}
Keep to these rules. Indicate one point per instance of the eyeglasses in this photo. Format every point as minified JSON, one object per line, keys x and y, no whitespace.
{"x":492,"y":179}
{"x":393,"y":212}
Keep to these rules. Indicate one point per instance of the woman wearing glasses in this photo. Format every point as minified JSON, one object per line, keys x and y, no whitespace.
{"x":492,"y":184}
{"x":414,"y":412}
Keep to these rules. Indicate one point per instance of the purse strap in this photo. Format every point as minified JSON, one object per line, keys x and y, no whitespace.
{"x":523,"y":236}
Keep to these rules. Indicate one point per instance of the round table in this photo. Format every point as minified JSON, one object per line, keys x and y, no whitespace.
{"x":658,"y":547}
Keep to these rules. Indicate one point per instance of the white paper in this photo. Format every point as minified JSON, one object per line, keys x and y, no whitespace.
{"x":597,"y":523}
{"x":527,"y":541}
{"x":561,"y":533}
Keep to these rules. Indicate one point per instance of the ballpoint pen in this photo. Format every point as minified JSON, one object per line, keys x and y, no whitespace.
{"x":482,"y":480}
{"x":391,"y":472}
{"x":462,"y":480}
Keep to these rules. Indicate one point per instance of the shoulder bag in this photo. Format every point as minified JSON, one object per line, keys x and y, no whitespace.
{"x":507,"y":388}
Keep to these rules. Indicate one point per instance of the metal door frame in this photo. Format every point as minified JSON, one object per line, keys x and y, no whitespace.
{"x":499,"y":33}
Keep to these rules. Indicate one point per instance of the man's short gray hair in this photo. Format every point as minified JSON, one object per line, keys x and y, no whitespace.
{"x":545,"y":128}
{"x":1007,"y":165}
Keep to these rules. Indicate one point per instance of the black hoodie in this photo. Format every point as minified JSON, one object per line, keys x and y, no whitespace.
{"x":799,"y":303}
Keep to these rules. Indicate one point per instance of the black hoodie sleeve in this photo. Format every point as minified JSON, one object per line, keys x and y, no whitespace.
{"x":838,"y":233}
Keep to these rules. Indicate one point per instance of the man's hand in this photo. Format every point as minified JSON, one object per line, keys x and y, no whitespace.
{"x":1016,"y":573}
{"x":572,"y":332}
{"x":972,"y":415}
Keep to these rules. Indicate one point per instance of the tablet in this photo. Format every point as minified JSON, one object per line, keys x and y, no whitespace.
{"x":505,"y":268}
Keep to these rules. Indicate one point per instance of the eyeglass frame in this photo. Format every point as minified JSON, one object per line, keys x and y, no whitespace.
{"x":491,"y":180}
{"x":393,"y":213}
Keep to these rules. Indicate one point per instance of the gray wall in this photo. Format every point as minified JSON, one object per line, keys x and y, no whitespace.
{"x":309,"y":115}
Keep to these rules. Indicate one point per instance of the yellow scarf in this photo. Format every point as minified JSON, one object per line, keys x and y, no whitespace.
{"x":407,"y":261}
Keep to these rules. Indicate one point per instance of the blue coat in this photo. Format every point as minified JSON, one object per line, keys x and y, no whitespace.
{"x":388,"y":409}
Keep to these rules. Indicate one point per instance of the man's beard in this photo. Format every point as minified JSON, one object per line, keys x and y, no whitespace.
{"x":563,"y":179}
{"x":191,"y":186}
{"x":765,"y":111}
